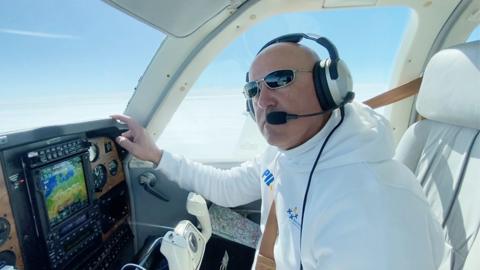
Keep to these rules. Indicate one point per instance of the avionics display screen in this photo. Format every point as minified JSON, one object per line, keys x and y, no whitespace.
{"x":64,"y":189}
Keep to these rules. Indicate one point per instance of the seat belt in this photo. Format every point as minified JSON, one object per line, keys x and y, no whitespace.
{"x":265,"y":260}
{"x":396,"y":94}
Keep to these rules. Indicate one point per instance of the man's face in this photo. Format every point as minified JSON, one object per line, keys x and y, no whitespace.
{"x":297,"y":98}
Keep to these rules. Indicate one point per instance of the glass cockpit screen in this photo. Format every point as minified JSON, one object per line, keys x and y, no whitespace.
{"x":64,"y":189}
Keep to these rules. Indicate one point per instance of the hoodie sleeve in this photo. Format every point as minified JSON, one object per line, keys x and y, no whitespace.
{"x":228,"y":188}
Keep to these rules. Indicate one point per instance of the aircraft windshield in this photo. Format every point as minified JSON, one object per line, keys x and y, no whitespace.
{"x":211,"y":124}
{"x":68,"y":61}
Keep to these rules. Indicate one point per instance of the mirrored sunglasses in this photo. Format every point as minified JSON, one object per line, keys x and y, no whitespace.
{"x":274,"y":80}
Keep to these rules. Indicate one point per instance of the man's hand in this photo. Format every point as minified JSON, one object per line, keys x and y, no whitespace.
{"x":137,"y":141}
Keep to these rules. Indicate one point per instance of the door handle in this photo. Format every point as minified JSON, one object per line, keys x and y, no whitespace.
{"x":149,"y":180}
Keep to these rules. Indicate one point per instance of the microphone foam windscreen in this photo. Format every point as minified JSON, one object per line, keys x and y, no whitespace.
{"x":277,"y":118}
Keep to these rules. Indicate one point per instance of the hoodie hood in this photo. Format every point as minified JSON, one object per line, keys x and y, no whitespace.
{"x":364,"y":136}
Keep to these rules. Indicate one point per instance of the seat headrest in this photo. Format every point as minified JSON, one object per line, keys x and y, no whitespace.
{"x":450,"y":90}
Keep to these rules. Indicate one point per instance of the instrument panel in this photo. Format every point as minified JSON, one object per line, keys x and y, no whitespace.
{"x":63,"y":199}
{"x":106,"y":165}
{"x":9,"y":245}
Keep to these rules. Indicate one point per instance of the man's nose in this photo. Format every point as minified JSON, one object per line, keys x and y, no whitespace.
{"x":265,"y":97}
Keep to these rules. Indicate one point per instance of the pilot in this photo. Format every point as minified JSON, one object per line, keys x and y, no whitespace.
{"x":341,"y":201}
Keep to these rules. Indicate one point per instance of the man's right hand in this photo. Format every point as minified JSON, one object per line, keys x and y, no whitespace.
{"x":137,"y":141}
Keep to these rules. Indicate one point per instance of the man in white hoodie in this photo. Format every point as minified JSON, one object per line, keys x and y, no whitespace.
{"x":353,"y":208}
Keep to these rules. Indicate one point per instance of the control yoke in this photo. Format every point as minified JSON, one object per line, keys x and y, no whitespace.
{"x":184,"y":247}
{"x":197,"y":206}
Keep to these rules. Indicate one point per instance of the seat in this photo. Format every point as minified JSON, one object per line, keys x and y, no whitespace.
{"x":443,"y":150}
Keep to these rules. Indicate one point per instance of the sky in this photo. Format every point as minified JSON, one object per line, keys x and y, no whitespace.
{"x":68,"y":61}
{"x":348,"y":30}
{"x":71,"y":46}
{"x":54,"y":46}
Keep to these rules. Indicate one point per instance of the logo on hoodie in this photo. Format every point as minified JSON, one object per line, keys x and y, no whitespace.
{"x":293,"y":216}
{"x":268,"y":178}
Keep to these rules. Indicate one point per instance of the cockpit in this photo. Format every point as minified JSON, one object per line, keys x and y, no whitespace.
{"x":71,"y":197}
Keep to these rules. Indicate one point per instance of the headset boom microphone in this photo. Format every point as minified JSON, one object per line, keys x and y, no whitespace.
{"x":280,"y":118}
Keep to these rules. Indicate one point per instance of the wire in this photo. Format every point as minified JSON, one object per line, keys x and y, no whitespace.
{"x":153,"y":246}
{"x":142,"y":261}
{"x":342,"y":113}
{"x":225,"y":259}
{"x":135,"y":266}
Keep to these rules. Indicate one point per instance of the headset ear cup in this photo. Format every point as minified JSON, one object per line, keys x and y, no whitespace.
{"x":318,"y":84}
{"x":321,"y":85}
{"x":250,"y":109}
{"x":340,"y":87}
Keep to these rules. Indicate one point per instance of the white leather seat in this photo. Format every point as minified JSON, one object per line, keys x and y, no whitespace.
{"x":444,"y":149}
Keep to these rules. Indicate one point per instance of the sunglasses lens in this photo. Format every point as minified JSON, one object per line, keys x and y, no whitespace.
{"x":251,"y":89}
{"x":276,"y":79}
{"x":279,"y":78}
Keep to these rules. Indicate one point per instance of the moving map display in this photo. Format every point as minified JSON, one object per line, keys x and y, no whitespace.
{"x":64,"y":189}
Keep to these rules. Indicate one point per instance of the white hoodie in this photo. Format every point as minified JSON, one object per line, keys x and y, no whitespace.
{"x":364,"y":210}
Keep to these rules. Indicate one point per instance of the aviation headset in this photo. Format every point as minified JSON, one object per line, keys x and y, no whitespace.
{"x":331,"y":77}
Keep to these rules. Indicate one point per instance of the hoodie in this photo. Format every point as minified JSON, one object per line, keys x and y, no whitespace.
{"x":363,"y":210}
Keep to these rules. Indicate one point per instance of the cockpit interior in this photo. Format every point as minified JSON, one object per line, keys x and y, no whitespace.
{"x":72,"y":198}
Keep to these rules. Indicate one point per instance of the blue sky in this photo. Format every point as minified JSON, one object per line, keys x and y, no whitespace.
{"x":56,"y":55}
{"x":368,"y":58}
{"x":69,"y":46}
{"x":54,"y":46}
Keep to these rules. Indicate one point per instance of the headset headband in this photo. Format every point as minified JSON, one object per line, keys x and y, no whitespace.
{"x":297,"y":37}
